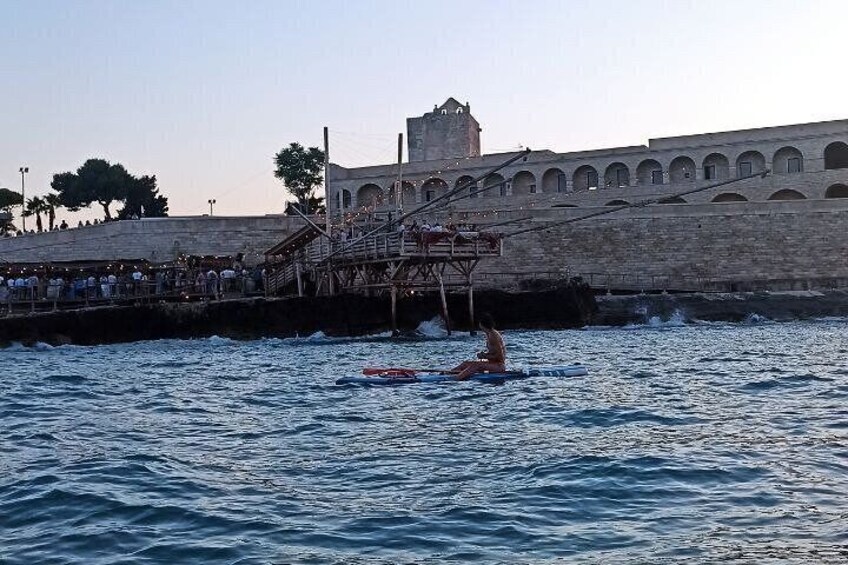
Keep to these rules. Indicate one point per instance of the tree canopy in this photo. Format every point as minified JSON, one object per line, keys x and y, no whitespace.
{"x":143,"y":200}
{"x":300,"y":170}
{"x":99,"y":181}
{"x":9,"y":198}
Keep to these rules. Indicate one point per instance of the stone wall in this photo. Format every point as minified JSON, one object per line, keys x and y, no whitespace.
{"x":153,"y":239}
{"x":734,"y":245}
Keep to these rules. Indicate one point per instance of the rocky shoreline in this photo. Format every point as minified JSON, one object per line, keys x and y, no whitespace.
{"x":567,"y":306}
{"x":720,"y":307}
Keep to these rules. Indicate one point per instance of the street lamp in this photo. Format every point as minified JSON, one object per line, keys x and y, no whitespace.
{"x":23,"y":170}
{"x":212,"y":202}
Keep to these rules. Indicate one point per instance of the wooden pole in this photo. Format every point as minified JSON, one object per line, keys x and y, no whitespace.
{"x":327,"y":178}
{"x":471,"y":305}
{"x":444,"y":303}
{"x":399,"y":189}
{"x":394,"y":311}
{"x":299,"y":279}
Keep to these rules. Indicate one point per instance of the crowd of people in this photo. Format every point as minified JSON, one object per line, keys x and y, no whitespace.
{"x":120,"y":283}
{"x":63,"y":225}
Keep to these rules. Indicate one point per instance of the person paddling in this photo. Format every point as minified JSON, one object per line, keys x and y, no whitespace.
{"x":492,"y":359}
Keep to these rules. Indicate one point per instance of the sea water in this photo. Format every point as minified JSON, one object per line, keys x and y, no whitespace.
{"x":686,"y":443}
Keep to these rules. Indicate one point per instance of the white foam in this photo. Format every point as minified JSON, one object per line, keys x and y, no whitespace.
{"x":432,"y":328}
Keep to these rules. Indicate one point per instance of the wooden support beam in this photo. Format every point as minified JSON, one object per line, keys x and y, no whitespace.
{"x":444,"y":304}
{"x":395,"y":331}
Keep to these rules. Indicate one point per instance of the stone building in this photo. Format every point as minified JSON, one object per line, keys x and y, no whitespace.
{"x":704,"y":235}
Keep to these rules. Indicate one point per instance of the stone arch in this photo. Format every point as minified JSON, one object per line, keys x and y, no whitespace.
{"x":672,"y":200}
{"x":433,"y":188}
{"x":681,"y":169}
{"x":787,"y":194}
{"x":553,"y":180}
{"x":470,"y":190}
{"x":716,"y":166}
{"x":345,"y":199}
{"x":524,"y":182}
{"x":836,"y":191}
{"x":369,"y":195}
{"x":617,"y":203}
{"x":585,"y":178}
{"x":750,"y":163}
{"x":836,"y":155}
{"x":787,"y":160}
{"x":407,"y":193}
{"x":730,"y":197}
{"x":495,"y":186}
{"x":648,"y":172}
{"x":617,"y":175}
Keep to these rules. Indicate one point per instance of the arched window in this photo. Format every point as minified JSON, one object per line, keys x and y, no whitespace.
{"x":836,"y":155}
{"x":554,"y":181}
{"x":681,"y":169}
{"x":345,"y":199}
{"x":787,"y":160}
{"x":459,"y":110}
{"x":716,"y":167}
{"x":433,"y":188}
{"x":750,"y":163}
{"x":524,"y":182}
{"x":470,"y":187}
{"x":585,"y":178}
{"x":836,"y":191}
{"x":730,"y":197}
{"x":787,"y":194}
{"x":617,"y":175}
{"x":494,"y":185}
{"x":649,"y":171}
{"x":369,"y":195}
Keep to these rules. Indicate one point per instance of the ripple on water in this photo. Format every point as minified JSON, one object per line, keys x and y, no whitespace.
{"x":692,"y":444}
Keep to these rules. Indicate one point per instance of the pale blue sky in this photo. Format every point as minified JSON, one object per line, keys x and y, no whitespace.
{"x":203,"y":94}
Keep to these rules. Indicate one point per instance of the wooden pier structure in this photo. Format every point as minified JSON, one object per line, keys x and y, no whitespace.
{"x":397,"y":264}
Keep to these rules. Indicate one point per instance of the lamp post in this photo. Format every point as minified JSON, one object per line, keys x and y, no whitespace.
{"x":212,"y":202}
{"x":23,"y":170}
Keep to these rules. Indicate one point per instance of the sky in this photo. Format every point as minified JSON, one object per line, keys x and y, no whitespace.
{"x":203,"y":94}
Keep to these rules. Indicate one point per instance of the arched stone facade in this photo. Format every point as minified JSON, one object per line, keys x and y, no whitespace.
{"x":787,"y":160}
{"x":716,"y":167}
{"x":494,"y":186}
{"x":523,"y":182}
{"x":369,"y":195}
{"x":554,"y":181}
{"x":649,"y":172}
{"x":729,"y":197}
{"x":836,"y":191}
{"x":585,"y":178}
{"x":681,"y":169}
{"x":787,"y":194}
{"x":836,"y":155}
{"x":750,"y":163}
{"x":617,"y":175}
{"x":433,"y":188}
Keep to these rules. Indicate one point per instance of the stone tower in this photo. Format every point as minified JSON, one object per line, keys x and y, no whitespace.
{"x":448,"y":132}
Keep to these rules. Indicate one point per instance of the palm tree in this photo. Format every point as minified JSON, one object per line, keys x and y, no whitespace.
{"x":52,"y":201}
{"x":36,"y":206}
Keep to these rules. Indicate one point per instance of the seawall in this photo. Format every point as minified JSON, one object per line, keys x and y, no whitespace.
{"x":568,"y":306}
{"x":727,"y":307}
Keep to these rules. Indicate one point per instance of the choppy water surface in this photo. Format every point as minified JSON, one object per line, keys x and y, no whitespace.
{"x":685,"y":444}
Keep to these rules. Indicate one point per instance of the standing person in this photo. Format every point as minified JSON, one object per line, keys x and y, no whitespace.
{"x":492,"y":359}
